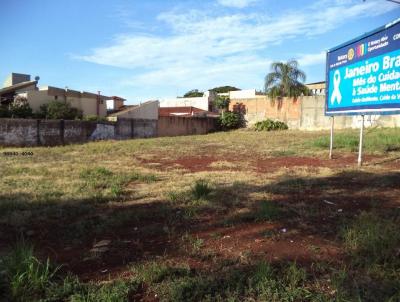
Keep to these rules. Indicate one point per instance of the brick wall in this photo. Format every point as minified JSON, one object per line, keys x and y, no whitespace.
{"x":261,"y":107}
{"x":305,"y":113}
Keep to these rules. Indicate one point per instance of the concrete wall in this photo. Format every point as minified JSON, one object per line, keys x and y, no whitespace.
{"x":134,"y":128}
{"x":242,"y":94}
{"x":178,"y":125}
{"x":29,"y":132}
{"x":18,"y":132}
{"x":305,"y":113}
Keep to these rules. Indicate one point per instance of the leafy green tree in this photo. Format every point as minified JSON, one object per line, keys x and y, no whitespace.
{"x":222,"y":102}
{"x":193,"y":93}
{"x":20,"y":108}
{"x":285,"y":80}
{"x":224,"y":89}
{"x":59,"y":110}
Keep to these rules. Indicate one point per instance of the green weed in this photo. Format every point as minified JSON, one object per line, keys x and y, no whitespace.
{"x":27,"y":276}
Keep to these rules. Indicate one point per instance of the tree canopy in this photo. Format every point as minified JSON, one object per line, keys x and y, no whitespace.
{"x":193,"y":93}
{"x":224,"y":89}
{"x":285,"y":79}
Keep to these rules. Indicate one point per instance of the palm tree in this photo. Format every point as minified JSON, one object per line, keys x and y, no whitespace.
{"x":285,"y":79}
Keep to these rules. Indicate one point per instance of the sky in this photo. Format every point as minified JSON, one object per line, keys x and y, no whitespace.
{"x":151,"y":49}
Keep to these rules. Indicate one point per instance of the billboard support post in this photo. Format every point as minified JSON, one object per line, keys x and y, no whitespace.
{"x":331,"y":144}
{"x":360,"y":147}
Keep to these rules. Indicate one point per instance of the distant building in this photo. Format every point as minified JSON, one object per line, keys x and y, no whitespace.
{"x":205,"y":102}
{"x":185,"y":111}
{"x":116,"y":104}
{"x":317,"y":88}
{"x":147,"y":111}
{"x":21,"y":85}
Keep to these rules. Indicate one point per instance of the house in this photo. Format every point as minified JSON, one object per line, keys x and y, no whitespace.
{"x":147,"y":111}
{"x":185,"y":111}
{"x":21,"y":85}
{"x":115,"y":104}
{"x":317,"y":88}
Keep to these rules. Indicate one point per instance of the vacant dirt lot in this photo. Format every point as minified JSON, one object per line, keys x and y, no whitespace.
{"x":200,"y":209}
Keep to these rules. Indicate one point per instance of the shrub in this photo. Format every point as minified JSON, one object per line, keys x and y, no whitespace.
{"x":270,"y":125}
{"x":231,"y":120}
{"x":59,"y":110}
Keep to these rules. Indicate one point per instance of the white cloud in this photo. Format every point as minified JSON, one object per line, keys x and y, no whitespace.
{"x":236,"y":3}
{"x":204,"y":49}
{"x":312,"y":58}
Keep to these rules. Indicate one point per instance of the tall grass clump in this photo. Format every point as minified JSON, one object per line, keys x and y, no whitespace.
{"x":201,"y":189}
{"x":26,"y":277}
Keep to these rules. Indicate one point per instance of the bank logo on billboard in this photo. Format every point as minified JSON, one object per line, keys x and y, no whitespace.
{"x":363,"y":76}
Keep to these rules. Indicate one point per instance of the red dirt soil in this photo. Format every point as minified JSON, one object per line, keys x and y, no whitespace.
{"x":261,"y":165}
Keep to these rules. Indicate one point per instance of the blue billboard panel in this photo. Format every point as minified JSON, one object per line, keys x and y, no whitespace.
{"x":363,"y":75}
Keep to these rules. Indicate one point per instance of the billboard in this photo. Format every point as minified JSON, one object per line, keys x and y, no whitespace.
{"x":363,"y":75}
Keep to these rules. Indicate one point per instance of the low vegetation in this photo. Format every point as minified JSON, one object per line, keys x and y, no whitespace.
{"x":270,"y":125}
{"x":376,"y":140}
{"x":233,"y":216}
